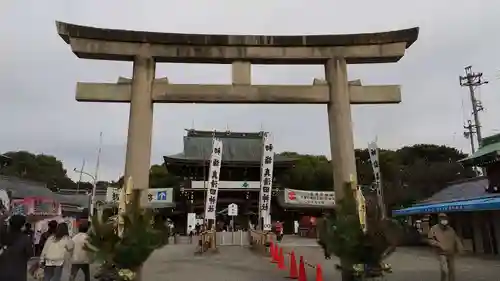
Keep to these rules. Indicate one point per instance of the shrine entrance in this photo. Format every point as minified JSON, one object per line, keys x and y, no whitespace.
{"x":145,"y":49}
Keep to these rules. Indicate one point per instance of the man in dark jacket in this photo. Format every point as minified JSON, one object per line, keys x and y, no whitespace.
{"x":15,"y":251}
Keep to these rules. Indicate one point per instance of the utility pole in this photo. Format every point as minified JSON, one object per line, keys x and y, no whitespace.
{"x":469,"y":134}
{"x":80,"y":179}
{"x":472,"y":80}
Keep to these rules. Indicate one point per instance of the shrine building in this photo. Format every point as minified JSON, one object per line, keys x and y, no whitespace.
{"x":239,"y":180}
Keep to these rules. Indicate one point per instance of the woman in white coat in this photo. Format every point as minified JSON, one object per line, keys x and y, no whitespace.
{"x":55,"y":252}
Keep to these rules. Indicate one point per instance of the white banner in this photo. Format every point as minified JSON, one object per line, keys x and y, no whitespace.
{"x":374,"y":159}
{"x":266,"y":178}
{"x":373,"y":151}
{"x":4,"y":202}
{"x":268,"y":226}
{"x":213,"y":180}
{"x":112,"y":194}
{"x":191,"y":222}
{"x":313,"y":198}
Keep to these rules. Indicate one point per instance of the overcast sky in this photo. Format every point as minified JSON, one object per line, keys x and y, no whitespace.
{"x":38,"y":73}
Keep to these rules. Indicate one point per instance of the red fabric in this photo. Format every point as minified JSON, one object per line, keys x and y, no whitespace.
{"x":279,"y":227}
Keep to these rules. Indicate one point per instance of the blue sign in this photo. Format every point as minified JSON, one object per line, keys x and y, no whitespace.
{"x":161,"y":195}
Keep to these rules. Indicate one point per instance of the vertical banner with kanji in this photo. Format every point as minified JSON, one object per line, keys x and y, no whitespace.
{"x":374,"y":159}
{"x":266,"y":179}
{"x":213,"y":179}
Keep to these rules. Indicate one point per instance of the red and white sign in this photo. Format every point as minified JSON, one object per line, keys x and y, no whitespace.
{"x":313,"y":198}
{"x":37,"y":206}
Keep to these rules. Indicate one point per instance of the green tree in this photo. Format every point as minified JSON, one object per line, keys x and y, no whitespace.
{"x":159,"y":177}
{"x":311,"y":172}
{"x":409,"y":174}
{"x":38,"y":167}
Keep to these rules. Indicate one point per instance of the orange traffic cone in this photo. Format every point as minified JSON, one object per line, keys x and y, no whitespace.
{"x":281,"y":260}
{"x":293,"y":267}
{"x":302,"y":270}
{"x":275,"y":256}
{"x":319,"y":273}
{"x":271,"y":249}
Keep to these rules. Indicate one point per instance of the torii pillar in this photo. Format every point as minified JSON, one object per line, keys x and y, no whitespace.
{"x":146,"y":48}
{"x":140,"y":124}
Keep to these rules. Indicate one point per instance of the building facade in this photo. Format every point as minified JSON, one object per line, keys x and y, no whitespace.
{"x":239,"y":179}
{"x":473,"y":205}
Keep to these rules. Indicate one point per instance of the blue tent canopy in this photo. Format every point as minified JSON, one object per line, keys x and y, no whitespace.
{"x":479,"y":204}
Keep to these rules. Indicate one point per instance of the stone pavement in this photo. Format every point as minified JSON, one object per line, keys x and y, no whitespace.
{"x":232,"y":263}
{"x":178,"y":262}
{"x":409,"y":264}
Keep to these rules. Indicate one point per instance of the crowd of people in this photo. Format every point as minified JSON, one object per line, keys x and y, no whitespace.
{"x":20,"y":255}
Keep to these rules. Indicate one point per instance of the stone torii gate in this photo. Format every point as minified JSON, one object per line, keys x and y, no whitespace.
{"x":145,"y":49}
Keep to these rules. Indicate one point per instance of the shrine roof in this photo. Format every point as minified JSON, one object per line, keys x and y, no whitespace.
{"x":238,"y":147}
{"x":22,"y":188}
{"x":67,"y":30}
{"x":488,"y":153}
{"x":466,"y":189}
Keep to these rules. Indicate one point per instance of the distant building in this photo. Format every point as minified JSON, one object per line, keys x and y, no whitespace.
{"x":473,"y":205}
{"x":239,"y":179}
{"x":72,"y":204}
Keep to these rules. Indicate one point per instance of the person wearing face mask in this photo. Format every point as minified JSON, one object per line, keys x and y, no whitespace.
{"x":447,"y":245}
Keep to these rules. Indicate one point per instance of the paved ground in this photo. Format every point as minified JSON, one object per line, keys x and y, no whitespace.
{"x":408,"y":264}
{"x":178,"y":262}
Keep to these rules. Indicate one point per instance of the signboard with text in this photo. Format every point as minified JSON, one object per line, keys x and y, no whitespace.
{"x":232,"y":210}
{"x":255,"y":185}
{"x":313,"y":198}
{"x":155,"y":195}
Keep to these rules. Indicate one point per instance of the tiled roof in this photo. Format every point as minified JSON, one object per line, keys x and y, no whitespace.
{"x":78,"y":199}
{"x":462,"y":190}
{"x":237,"y":147}
{"x":23,"y":188}
{"x":488,"y":152}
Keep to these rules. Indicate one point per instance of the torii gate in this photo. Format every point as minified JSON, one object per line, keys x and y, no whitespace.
{"x":146,"y":49}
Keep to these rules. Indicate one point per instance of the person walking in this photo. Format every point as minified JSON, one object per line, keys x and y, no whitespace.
{"x":445,"y":241}
{"x":80,"y":258}
{"x":52,"y":226}
{"x":279,"y":231}
{"x":54,"y":253}
{"x":16,"y":250}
